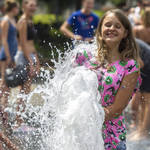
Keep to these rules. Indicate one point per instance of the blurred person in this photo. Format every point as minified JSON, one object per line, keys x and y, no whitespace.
{"x":1,"y":15}
{"x":83,"y":23}
{"x":141,"y":101}
{"x":9,"y":48}
{"x":146,"y":3}
{"x":143,"y":31}
{"x":135,"y":18}
{"x":126,"y":10}
{"x":132,"y":10}
{"x":2,"y":10}
{"x":26,"y":55}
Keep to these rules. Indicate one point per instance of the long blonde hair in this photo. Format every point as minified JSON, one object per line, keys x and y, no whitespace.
{"x":128,"y":48}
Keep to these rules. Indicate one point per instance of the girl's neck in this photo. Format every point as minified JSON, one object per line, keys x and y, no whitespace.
{"x":114,"y":54}
{"x":10,"y":15}
{"x":26,"y":16}
{"x":84,"y":11}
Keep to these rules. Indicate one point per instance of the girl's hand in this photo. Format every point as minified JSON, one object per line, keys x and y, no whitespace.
{"x":1,"y":135}
{"x":4,"y":115}
{"x":5,"y":118}
{"x":106,"y":112}
{"x":31,"y":70}
{"x":78,"y":37}
{"x":7,"y":141}
{"x":88,"y":39}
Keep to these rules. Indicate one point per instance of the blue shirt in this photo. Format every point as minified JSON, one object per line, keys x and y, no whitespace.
{"x":82,"y":24}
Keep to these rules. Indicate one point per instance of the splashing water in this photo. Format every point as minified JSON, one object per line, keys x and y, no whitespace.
{"x":71,"y":117}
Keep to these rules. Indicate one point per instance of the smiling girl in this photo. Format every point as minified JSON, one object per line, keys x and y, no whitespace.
{"x":116,"y":66}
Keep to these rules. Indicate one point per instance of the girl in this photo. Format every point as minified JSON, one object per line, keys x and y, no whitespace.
{"x":26,"y":53}
{"x":9,"y":45}
{"x":116,"y":66}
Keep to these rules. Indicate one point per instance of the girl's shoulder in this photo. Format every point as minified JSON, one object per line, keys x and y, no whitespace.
{"x":131,"y":62}
{"x":126,"y":63}
{"x":4,"y":21}
{"x":129,"y":65}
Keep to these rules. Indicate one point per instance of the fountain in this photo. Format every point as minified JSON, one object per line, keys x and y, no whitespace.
{"x":71,"y":117}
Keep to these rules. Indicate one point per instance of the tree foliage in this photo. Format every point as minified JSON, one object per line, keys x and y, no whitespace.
{"x":116,"y":2}
{"x":58,"y":6}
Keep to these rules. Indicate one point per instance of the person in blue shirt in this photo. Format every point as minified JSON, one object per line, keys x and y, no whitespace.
{"x":83,"y":23}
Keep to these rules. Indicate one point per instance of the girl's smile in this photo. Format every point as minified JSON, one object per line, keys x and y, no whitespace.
{"x":113,"y":30}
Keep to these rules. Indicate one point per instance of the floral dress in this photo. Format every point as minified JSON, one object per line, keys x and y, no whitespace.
{"x":109,"y":82}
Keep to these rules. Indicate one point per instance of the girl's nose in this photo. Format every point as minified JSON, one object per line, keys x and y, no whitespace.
{"x":111,"y":28}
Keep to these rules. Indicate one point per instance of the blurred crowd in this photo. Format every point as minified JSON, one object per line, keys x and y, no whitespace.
{"x":17,"y":49}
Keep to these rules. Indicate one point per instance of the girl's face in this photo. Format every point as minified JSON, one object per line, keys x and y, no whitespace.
{"x":112,"y":30}
{"x":16,"y":11}
{"x":30,"y":7}
{"x":88,"y":4}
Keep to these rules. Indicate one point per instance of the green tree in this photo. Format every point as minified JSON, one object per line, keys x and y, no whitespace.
{"x":116,"y":2}
{"x":58,"y":6}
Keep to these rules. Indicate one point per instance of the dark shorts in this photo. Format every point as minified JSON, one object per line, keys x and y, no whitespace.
{"x":145,"y":86}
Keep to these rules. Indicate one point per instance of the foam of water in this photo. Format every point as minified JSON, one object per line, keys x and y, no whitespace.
{"x":71,"y":117}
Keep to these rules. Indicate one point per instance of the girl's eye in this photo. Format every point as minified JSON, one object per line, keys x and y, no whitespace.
{"x":118,"y":26}
{"x":108,"y":25}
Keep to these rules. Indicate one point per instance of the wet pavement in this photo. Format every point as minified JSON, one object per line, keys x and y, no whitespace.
{"x":134,"y":145}
{"x":139,"y":145}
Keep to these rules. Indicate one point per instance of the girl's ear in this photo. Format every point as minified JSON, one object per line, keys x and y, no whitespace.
{"x":125,"y":33}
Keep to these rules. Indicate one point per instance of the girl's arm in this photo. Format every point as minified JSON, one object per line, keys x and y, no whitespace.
{"x":7,"y":142}
{"x":37,"y":64}
{"x":64,"y":29}
{"x":122,"y":97}
{"x":136,"y":20}
{"x":23,"y":42}
{"x":5,"y":27}
{"x":135,"y":32}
